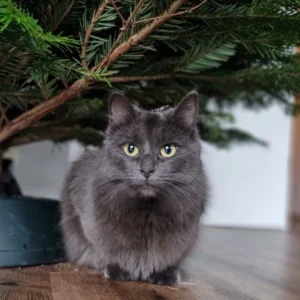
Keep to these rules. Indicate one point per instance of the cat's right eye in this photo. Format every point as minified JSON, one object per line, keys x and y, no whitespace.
{"x":131,"y":149}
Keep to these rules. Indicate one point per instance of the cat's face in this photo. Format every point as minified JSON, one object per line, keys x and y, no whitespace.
{"x":152,"y":150}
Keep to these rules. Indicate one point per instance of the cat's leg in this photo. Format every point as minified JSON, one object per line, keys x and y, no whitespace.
{"x":115,"y":272}
{"x":77,"y":247}
{"x":169,"y":276}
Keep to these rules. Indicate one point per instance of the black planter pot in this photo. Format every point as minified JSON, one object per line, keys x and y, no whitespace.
{"x":8,"y":183}
{"x":29,"y":232}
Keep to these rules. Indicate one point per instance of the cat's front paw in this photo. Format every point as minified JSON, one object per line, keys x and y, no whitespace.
{"x":170,"y":276}
{"x":114,"y":272}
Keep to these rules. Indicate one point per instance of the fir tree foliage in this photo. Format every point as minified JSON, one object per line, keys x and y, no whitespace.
{"x":59,"y":60}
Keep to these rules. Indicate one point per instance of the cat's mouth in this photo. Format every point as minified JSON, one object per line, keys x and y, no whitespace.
{"x":147,"y":191}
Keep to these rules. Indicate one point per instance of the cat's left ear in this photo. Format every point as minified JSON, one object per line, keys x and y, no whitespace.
{"x":187,"y":110}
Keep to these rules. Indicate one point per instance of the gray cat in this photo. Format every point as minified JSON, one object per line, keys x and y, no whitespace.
{"x":132,"y":208}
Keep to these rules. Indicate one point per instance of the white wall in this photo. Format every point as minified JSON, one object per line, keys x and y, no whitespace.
{"x":249,"y":184}
{"x":41,"y":169}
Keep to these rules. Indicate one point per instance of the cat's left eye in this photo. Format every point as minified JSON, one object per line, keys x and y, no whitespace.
{"x":168,"y":150}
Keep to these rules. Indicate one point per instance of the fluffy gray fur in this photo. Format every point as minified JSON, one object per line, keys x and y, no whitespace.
{"x":116,"y":219}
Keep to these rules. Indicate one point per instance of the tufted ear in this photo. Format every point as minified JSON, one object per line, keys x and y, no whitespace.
{"x":120,"y":109}
{"x":187,"y":110}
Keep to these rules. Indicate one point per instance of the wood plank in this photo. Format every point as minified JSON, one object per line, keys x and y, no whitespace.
{"x":88,"y":285}
{"x":18,"y":284}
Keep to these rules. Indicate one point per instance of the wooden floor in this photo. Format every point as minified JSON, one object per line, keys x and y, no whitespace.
{"x":226,"y":264}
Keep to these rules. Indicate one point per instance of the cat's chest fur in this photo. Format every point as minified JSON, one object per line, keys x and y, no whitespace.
{"x":146,"y":239}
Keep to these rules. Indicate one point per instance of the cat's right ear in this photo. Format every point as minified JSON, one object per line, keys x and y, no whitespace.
{"x":120,"y":109}
{"x":187,"y":110}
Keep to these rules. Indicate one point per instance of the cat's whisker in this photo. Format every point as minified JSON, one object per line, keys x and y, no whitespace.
{"x":176,"y":197}
{"x":192,"y":204}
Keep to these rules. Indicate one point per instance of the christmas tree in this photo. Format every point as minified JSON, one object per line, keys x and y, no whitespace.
{"x":59,"y":60}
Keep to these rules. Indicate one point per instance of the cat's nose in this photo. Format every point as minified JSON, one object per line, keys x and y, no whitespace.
{"x":147,"y":172}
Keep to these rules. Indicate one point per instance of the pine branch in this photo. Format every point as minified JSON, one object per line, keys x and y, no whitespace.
{"x":118,"y":12}
{"x":122,"y":30}
{"x":267,"y":10}
{"x":162,"y":76}
{"x":11,"y":14}
{"x":43,"y":89}
{"x":46,"y":11}
{"x":39,"y":111}
{"x":56,"y":134}
{"x":140,"y":35}
{"x":4,"y":59}
{"x":36,"y":113}
{"x":202,"y":57}
{"x":223,"y":138}
{"x":187,"y":11}
{"x":55,"y":26}
{"x":3,"y":114}
{"x":13,"y":63}
{"x":19,"y":99}
{"x":89,"y":31}
{"x":155,"y":55}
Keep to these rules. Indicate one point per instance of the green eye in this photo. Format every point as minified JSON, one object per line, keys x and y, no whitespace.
{"x":131,"y":150}
{"x":168,"y":150}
